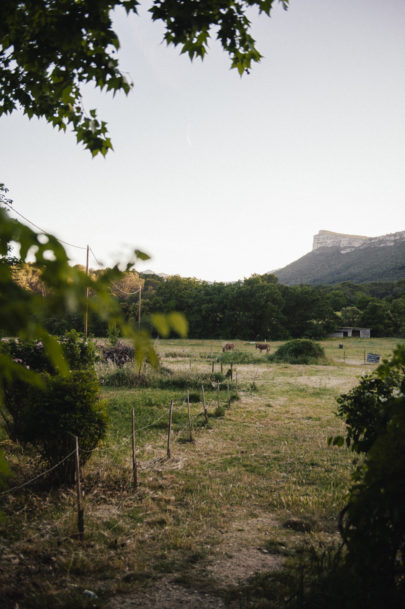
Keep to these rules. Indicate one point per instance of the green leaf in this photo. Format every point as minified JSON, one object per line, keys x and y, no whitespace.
{"x":161,"y":324}
{"x":179,"y":323}
{"x":141,"y":255}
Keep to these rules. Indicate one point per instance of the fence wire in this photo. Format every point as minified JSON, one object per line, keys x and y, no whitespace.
{"x":28,"y":482}
{"x":106,"y":450}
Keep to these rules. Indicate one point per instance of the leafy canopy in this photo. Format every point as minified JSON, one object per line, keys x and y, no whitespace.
{"x":49,"y":49}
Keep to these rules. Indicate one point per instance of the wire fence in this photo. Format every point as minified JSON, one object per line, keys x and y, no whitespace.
{"x":181,"y":428}
{"x":44,"y":473}
{"x":107,"y":450}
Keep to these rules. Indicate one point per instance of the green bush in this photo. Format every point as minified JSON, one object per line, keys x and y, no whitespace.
{"x":48,"y":414}
{"x":80,"y":352}
{"x":299,"y":351}
{"x":373,"y":522}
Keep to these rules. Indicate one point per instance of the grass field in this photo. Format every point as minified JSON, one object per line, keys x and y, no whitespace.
{"x":253,"y":487}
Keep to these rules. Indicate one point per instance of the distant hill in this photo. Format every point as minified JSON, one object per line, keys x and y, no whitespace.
{"x":337,"y":257}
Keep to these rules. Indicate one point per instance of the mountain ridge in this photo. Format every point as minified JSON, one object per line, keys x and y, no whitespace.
{"x":337,"y":257}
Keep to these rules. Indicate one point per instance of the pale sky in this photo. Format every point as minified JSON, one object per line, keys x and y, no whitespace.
{"x":218,"y":177}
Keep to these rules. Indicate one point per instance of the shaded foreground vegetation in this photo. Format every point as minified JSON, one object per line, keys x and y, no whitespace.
{"x":254,"y":490}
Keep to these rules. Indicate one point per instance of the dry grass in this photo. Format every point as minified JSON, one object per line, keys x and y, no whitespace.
{"x":247,"y":492}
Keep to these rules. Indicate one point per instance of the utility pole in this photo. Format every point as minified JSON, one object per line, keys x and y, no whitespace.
{"x":86,"y":317}
{"x":139,"y":307}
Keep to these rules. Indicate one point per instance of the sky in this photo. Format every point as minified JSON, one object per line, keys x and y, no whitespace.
{"x":219,"y":177}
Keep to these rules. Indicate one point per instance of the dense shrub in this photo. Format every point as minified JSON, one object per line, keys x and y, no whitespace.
{"x":373,"y":522}
{"x":299,"y":351}
{"x":78,"y":351}
{"x":118,"y":354}
{"x":46,"y":415}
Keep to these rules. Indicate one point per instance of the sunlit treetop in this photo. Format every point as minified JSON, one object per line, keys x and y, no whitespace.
{"x":49,"y":49}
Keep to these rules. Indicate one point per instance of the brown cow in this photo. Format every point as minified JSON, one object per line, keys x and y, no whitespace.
{"x":228,"y":347}
{"x":263,"y":347}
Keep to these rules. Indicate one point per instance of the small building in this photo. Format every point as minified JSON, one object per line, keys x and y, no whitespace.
{"x":347,"y":332}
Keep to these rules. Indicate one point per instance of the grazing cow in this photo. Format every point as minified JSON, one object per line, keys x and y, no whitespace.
{"x":263,"y":347}
{"x":228,"y":347}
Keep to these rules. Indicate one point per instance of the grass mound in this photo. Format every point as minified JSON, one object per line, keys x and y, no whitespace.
{"x":299,"y":351}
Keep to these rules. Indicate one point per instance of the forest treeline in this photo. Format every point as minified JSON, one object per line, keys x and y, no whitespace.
{"x":257,"y":308}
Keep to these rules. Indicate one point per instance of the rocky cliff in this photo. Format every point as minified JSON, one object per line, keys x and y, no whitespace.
{"x":337,"y":257}
{"x":347,"y":243}
{"x":326,"y":238}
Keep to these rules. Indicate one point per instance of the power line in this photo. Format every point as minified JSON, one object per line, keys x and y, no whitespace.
{"x":116,"y":287}
{"x":14,"y":488}
{"x":95,"y":258}
{"x":79,"y":247}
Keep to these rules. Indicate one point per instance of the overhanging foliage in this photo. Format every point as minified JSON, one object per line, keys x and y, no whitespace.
{"x":49,"y":49}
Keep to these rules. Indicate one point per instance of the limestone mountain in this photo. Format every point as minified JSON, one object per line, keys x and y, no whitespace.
{"x":336,"y":257}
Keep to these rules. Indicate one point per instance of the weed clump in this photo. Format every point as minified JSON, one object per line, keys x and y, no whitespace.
{"x":127,"y":377}
{"x":299,"y":351}
{"x":237,"y":357}
{"x":194,"y":397}
{"x":219,"y":412}
{"x":124,"y":377}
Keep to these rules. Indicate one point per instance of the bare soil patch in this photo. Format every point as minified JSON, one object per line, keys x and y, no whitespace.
{"x":166,"y":594}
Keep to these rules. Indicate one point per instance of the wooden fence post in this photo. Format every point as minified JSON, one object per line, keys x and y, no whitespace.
{"x":231,"y":371}
{"x":170,"y":429}
{"x":218,"y":394}
{"x":134,"y":463}
{"x":212,"y":367}
{"x":80,"y":511}
{"x":236,"y":380}
{"x":222,"y":368}
{"x":204,"y":404}
{"x":189,"y":416}
{"x":228,"y":395}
